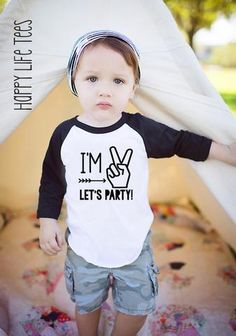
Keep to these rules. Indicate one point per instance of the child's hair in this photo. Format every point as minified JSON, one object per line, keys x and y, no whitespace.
{"x":113,"y":40}
{"x":119,"y":46}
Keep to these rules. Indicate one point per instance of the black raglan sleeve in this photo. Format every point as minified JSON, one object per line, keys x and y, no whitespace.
{"x":52,"y":184}
{"x":163,"y":141}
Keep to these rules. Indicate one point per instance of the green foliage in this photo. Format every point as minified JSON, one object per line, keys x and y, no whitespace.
{"x":192,"y":15}
{"x":230,"y":99}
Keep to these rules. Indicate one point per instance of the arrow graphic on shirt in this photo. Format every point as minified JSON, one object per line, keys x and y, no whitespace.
{"x":88,"y":180}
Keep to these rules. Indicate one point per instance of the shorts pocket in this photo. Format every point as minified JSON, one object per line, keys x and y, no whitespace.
{"x":69,"y":278}
{"x":153,"y":270}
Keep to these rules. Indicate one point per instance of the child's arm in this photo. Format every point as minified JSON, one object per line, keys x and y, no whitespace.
{"x":162,"y":141}
{"x":50,"y":237}
{"x":225,"y":153}
{"x":51,"y":193}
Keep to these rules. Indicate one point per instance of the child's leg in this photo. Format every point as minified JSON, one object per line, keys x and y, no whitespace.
{"x":87,"y":324}
{"x":128,"y":325}
{"x":134,"y":292}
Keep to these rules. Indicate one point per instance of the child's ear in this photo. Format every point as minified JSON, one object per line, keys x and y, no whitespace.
{"x":133,"y":91}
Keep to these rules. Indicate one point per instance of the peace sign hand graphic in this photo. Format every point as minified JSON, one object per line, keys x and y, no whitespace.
{"x":118,"y":172}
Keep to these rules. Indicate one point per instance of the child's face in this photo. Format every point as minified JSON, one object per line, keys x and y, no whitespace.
{"x":103,"y":76}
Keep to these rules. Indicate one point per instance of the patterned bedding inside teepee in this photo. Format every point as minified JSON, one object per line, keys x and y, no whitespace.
{"x":197,"y":280}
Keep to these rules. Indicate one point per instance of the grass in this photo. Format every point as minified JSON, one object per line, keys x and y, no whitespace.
{"x":230,"y":99}
{"x":224,"y":80}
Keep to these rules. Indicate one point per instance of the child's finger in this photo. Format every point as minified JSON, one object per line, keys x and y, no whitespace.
{"x":50,"y":253}
{"x":53,"y":247}
{"x":48,"y":250}
{"x":59,"y":240}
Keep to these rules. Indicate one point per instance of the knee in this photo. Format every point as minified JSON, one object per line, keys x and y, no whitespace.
{"x":128,"y":324}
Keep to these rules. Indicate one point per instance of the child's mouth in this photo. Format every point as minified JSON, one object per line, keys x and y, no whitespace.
{"x":104,"y":106}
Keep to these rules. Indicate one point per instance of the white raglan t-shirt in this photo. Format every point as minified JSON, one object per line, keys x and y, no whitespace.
{"x":102,"y":173}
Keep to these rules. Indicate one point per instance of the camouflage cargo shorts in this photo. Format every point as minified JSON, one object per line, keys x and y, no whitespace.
{"x":134,"y":286}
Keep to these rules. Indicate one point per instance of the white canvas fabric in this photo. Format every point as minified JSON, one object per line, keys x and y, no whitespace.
{"x":173,"y":90}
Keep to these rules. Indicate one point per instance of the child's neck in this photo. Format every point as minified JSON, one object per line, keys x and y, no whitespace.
{"x":98,"y":122}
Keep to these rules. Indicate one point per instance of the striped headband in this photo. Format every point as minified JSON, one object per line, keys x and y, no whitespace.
{"x":86,"y":39}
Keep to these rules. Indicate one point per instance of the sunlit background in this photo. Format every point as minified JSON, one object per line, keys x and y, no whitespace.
{"x":216,"y":49}
{"x":210,"y":28}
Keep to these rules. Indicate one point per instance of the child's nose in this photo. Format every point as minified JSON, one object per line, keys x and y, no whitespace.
{"x":104,"y":90}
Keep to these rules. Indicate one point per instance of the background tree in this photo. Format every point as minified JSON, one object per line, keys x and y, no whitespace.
{"x":192,"y":15}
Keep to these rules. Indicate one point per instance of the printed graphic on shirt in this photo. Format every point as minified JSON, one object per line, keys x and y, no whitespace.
{"x":117,"y":174}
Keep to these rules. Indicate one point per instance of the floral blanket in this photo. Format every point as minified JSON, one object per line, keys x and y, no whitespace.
{"x":197,"y":280}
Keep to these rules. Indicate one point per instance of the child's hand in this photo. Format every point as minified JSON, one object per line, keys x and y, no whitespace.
{"x":225,"y":153}
{"x":51,"y":239}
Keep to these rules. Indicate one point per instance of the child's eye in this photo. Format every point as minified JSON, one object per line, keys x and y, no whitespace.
{"x":92,"y":79}
{"x":118,"y":81}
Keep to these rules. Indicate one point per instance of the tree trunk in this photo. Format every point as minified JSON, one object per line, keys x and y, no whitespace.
{"x":190,"y":39}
